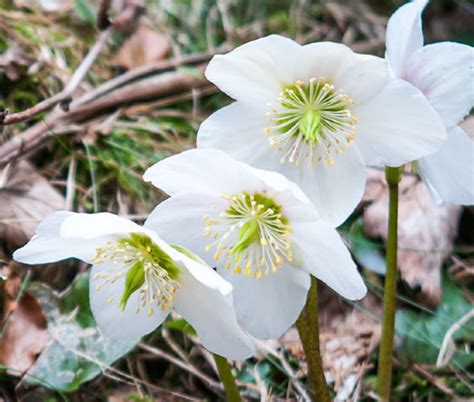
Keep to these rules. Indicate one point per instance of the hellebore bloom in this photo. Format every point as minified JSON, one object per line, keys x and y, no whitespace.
{"x":444,"y":73}
{"x":317,"y":113}
{"x":258,"y":228}
{"x":137,"y":278}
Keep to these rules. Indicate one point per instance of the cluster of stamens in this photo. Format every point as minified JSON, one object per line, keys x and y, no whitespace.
{"x":251,"y":235}
{"x":159,"y":284}
{"x":311,"y":122}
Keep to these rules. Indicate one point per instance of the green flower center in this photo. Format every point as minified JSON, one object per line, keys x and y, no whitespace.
{"x":146,"y":267}
{"x":311,"y":122}
{"x":252,"y":234}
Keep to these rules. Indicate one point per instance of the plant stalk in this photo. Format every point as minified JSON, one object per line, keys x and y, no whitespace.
{"x":227,"y":379}
{"x":308,"y":329}
{"x":384,"y":375}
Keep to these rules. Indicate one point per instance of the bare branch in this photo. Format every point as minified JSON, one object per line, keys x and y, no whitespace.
{"x":103,"y":21}
{"x":63,"y":98}
{"x":148,"y":88}
{"x":130,"y":13}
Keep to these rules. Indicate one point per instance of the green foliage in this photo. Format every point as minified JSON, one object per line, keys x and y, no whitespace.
{"x":76,"y":351}
{"x":367,"y":251}
{"x":423,"y":334}
{"x":85,"y":11}
{"x":181,"y":325}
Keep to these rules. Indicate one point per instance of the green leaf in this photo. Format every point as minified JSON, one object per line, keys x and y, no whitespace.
{"x":367,"y":251}
{"x":85,"y":11}
{"x":180,"y":324}
{"x":423,"y":334}
{"x":76,"y":351}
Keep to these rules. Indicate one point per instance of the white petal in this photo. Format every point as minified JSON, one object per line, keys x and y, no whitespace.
{"x":359,"y":76}
{"x":335,"y":190}
{"x":444,"y":72}
{"x":178,"y":220}
{"x":325,"y":256}
{"x":323,"y":59}
{"x":201,"y":171}
{"x":404,"y":35}
{"x":267,"y":307}
{"x":363,"y":78}
{"x":256,"y":71}
{"x":450,"y":171}
{"x":204,"y":299}
{"x":398,"y":126}
{"x":90,"y":226}
{"x":237,"y":129}
{"x":116,"y":323}
{"x":48,"y":246}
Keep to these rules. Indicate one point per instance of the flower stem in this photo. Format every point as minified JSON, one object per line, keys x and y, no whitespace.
{"x":227,"y":379}
{"x":308,"y":329}
{"x":384,"y":376}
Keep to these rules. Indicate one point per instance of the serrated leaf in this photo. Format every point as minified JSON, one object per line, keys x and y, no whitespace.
{"x":76,"y":351}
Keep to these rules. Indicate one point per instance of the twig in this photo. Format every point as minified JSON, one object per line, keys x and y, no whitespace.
{"x":130,"y":13}
{"x":139,"y":73}
{"x":63,"y":98}
{"x":443,"y":357}
{"x":187,"y":367}
{"x":287,"y":367}
{"x":146,"y":89}
{"x":103,"y":21}
{"x":438,"y":383}
{"x":107,"y":369}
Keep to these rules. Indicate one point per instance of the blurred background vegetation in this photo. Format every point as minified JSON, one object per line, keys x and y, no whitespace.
{"x":93,"y":161}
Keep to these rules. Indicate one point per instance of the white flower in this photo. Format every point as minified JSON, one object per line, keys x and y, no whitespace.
{"x":137,"y":278}
{"x":444,"y":73}
{"x":258,"y":228}
{"x":317,"y":113}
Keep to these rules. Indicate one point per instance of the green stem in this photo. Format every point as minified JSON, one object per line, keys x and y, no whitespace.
{"x":227,"y":379}
{"x":308,"y":329}
{"x":384,"y":376}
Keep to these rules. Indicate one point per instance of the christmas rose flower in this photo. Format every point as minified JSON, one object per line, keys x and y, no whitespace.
{"x":444,"y":73}
{"x":137,"y":279}
{"x":259,"y":230}
{"x":317,"y":114}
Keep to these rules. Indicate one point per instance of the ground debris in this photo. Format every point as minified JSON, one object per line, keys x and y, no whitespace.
{"x":23,"y":330}
{"x":26,"y":198}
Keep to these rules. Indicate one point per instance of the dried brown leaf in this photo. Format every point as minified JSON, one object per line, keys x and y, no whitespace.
{"x":426,"y":231}
{"x":26,"y":198}
{"x":24,"y":333}
{"x":12,"y":60}
{"x":144,"y":46}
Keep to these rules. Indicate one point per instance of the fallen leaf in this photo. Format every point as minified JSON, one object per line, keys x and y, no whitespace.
{"x":144,"y":46}
{"x":76,"y":350}
{"x":426,"y":232}
{"x":26,"y":198}
{"x":12,"y":60}
{"x":23,"y":333}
